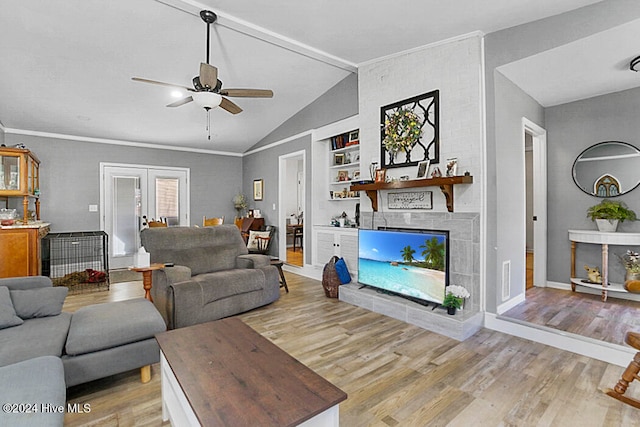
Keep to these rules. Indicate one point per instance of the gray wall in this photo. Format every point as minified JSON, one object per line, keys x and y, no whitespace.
{"x":339,"y":102}
{"x":70,"y":181}
{"x":570,"y":129}
{"x":506,"y":46}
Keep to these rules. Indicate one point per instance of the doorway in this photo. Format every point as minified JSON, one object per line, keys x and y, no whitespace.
{"x":292,"y":206}
{"x":535,"y":186}
{"x":130,"y":195}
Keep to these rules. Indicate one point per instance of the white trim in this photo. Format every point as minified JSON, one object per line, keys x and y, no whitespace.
{"x":502,"y":308}
{"x":539,"y":145}
{"x":484,"y":184}
{"x":115,"y":142}
{"x":610,"y":353}
{"x":336,"y":128}
{"x":423,"y":47}
{"x":252,"y":30}
{"x":279,"y":142}
{"x":282,"y":189}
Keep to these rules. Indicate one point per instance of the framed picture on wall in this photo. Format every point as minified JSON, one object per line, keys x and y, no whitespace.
{"x":258,"y":188}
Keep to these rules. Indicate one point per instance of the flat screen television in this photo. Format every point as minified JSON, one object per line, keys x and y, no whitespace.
{"x":411,"y":263}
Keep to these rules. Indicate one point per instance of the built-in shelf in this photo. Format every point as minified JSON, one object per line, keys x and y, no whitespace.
{"x":445,"y":183}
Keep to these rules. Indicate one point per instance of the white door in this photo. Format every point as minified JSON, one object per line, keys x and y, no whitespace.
{"x":132,"y":195}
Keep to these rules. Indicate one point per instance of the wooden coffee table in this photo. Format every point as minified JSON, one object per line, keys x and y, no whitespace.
{"x":224,"y":373}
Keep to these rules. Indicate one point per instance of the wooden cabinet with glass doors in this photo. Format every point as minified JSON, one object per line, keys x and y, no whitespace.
{"x":19,"y":177}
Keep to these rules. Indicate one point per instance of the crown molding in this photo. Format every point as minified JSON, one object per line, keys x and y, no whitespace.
{"x":114,"y":142}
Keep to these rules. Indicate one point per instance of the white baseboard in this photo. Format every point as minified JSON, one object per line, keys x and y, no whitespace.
{"x":511,"y":303}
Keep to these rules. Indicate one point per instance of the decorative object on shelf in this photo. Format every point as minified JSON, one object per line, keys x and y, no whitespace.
{"x":631,"y":262}
{"x":343,"y":175}
{"x":454,"y":298}
{"x":338,"y":159}
{"x":436,"y":173}
{"x":593,"y":273}
{"x":240,"y":203}
{"x":354,"y":137}
{"x":381,"y":175}
{"x":607,"y":213}
{"x":410,"y":200}
{"x":452,"y":167}
{"x":373,"y":167}
{"x":423,"y":168}
{"x":410,"y":131}
{"x":258,"y":189}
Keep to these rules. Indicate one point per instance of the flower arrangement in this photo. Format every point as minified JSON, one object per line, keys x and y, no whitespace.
{"x":240,"y":202}
{"x":455,"y":295}
{"x":631,"y":261}
{"x":401,"y":131}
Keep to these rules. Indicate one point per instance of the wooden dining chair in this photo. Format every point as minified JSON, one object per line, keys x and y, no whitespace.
{"x":633,"y":369}
{"x":298,"y":236}
{"x":210,"y":222}
{"x":630,"y":374}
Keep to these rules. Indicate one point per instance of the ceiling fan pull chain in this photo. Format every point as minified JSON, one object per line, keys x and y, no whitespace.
{"x":209,"y":124}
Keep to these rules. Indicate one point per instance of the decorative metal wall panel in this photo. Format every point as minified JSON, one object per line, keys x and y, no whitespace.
{"x":425,"y":108}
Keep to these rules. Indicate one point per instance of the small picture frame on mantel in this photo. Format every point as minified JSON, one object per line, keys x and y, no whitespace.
{"x":423,"y":169}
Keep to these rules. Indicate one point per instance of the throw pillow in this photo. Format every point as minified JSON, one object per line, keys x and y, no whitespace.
{"x":39,"y":302}
{"x":343,"y":271}
{"x":8,"y":316}
{"x":252,"y":243}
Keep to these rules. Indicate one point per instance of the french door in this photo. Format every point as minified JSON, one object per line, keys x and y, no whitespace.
{"x":131,"y":195}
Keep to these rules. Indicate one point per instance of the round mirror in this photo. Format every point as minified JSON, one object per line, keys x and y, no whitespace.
{"x":607,"y":169}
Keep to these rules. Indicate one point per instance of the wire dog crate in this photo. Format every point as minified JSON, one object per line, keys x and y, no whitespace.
{"x":77,"y":260}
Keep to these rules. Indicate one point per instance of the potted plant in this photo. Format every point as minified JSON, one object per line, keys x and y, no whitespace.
{"x":608,"y":213}
{"x":454,"y":298}
{"x":240,"y":203}
{"x":631,"y":262}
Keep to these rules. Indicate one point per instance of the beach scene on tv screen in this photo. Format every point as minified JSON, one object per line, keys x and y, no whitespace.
{"x":408,"y":263}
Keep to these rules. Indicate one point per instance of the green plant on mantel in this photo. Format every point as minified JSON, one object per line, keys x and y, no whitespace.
{"x":451,"y":300}
{"x":611,"y":210}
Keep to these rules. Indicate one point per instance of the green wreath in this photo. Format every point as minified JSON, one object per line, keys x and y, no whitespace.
{"x":401,"y":131}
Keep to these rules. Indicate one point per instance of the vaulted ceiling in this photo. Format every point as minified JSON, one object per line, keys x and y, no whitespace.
{"x":66,"y":66}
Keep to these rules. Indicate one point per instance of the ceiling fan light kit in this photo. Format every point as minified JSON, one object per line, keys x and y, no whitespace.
{"x":207,"y":100}
{"x":207,"y":89}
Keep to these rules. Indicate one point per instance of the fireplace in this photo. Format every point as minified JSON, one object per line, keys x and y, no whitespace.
{"x":463,"y":231}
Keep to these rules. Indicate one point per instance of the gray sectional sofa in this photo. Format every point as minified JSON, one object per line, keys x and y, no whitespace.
{"x":44,"y":350}
{"x":213,"y":275}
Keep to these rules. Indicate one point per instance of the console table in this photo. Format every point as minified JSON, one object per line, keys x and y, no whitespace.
{"x":604,"y":239}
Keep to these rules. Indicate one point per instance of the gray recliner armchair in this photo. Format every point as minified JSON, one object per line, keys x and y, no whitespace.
{"x":213,"y":276}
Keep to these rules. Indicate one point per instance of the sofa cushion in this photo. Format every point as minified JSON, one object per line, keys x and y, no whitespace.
{"x":100,"y":326}
{"x":41,"y":302}
{"x":42,"y":336}
{"x":38,"y":381}
{"x":203,"y":250}
{"x":225,"y":284}
{"x":8,"y":316}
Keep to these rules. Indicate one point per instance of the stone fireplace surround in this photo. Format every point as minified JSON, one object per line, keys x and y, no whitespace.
{"x":464,"y":270}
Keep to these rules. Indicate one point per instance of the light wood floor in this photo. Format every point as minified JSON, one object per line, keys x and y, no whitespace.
{"x":395,"y":374}
{"x":295,"y":257}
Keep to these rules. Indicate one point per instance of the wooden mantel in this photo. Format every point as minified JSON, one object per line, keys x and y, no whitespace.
{"x":445,"y":183}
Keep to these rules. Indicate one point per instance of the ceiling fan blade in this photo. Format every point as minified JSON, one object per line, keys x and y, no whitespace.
{"x":208,"y":75}
{"x":155,"y":82}
{"x":248,"y":93}
{"x":230,"y":106}
{"x":181,"y":102}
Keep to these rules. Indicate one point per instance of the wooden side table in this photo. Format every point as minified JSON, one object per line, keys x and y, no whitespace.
{"x":146,"y":277}
{"x":278,"y":264}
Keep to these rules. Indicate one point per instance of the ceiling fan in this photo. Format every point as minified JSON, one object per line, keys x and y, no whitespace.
{"x":207,"y":89}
